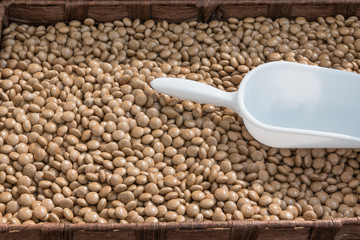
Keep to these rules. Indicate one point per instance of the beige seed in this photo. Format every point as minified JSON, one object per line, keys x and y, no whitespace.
{"x":25,"y":213}
{"x":192,"y":210}
{"x":68,"y":116}
{"x":92,"y":198}
{"x":286,"y":215}
{"x":171,"y":181}
{"x":274,"y":209}
{"x":40,"y":212}
{"x":198,"y":195}
{"x":247,"y":210}
{"x":151,"y":211}
{"x":309,"y":215}
{"x":121,"y":212}
{"x":91,"y":217}
{"x":221,"y":194}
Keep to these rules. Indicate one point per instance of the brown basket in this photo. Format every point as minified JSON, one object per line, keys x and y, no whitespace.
{"x":51,"y":11}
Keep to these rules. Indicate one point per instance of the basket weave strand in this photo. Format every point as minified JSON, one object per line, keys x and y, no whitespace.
{"x":51,"y":11}
{"x":235,"y":230}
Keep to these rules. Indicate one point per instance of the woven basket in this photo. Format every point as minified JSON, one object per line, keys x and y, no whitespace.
{"x":51,"y":11}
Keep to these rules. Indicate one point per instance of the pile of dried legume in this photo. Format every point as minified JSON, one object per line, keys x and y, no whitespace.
{"x":84,"y":138}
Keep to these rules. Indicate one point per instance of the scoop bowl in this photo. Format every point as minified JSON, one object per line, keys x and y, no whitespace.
{"x":286,"y":105}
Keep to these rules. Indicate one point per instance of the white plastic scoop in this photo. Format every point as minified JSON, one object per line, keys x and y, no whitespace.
{"x":286,"y":105}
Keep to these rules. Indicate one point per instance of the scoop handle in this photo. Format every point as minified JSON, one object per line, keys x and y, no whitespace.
{"x":195,"y":91}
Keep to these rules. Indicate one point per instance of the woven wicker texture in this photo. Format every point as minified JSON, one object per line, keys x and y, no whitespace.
{"x":50,"y":11}
{"x":235,"y":230}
